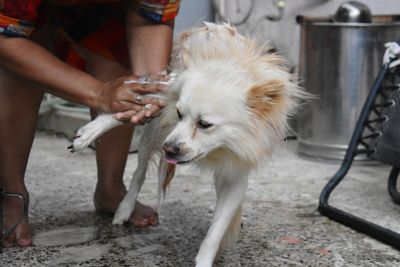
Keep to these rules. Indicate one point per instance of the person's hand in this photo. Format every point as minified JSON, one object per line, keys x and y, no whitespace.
{"x":128,"y":96}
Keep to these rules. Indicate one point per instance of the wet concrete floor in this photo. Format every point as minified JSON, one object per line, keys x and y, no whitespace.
{"x":281,"y":226}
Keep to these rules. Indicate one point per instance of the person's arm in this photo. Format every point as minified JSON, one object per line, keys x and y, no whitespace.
{"x":31,"y":61}
{"x":149,"y":45}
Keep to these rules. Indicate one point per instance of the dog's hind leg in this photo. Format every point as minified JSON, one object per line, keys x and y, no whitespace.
{"x":230,"y":193}
{"x":147,"y":146}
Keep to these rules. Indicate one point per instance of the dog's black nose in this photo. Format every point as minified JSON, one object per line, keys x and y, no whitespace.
{"x":171,"y":149}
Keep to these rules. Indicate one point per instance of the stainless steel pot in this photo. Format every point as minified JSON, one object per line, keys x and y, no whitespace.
{"x":338,"y":63}
{"x":353,"y":11}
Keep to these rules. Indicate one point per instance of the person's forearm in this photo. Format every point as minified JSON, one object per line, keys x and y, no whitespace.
{"x":149,"y":44}
{"x":35,"y":63}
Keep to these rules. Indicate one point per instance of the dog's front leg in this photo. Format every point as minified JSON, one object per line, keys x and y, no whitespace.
{"x":92,"y":130}
{"x":148,"y":144}
{"x":230,"y":194}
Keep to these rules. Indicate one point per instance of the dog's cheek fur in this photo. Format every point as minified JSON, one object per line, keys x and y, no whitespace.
{"x":169,"y":116}
{"x":268,"y":109}
{"x":248,"y":146}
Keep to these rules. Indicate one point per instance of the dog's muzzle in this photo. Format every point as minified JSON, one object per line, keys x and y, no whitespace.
{"x":171,"y":149}
{"x":178,"y":153}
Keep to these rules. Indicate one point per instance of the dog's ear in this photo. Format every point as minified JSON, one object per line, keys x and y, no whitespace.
{"x":183,"y":45}
{"x":232,"y":31}
{"x":185,"y":57}
{"x":265,"y":98}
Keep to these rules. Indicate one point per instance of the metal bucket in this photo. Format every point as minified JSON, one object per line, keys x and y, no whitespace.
{"x":338,"y":63}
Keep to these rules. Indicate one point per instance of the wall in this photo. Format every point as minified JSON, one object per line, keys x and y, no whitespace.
{"x":192,"y":12}
{"x":284,"y":34}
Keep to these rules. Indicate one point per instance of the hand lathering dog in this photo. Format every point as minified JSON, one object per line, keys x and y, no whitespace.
{"x":228,"y":109}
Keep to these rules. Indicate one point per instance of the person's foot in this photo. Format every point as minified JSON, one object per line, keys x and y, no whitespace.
{"x":107,"y":200}
{"x":12,"y":212}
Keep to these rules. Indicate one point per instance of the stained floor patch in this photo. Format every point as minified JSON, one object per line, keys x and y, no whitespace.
{"x":281,"y":224}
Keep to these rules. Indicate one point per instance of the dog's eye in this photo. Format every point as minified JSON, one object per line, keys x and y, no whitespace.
{"x":179,"y":114}
{"x":204,"y":124}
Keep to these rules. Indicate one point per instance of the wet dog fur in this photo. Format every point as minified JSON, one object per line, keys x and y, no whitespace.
{"x":227,"y":112}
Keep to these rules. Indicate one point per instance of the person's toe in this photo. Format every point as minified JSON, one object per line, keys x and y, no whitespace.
{"x":24,"y":242}
{"x":144,"y":215}
{"x":23,"y":235}
{"x":153,"y":219}
{"x":140,"y":222}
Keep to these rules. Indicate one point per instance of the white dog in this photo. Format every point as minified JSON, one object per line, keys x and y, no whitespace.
{"x":227,"y":110}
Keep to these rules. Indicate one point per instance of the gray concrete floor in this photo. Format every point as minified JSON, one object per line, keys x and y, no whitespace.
{"x":281,"y":226}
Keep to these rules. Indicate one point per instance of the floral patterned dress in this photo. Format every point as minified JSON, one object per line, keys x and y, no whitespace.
{"x":98,"y":25}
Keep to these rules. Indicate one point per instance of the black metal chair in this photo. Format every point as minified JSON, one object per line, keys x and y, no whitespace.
{"x":376,"y":135}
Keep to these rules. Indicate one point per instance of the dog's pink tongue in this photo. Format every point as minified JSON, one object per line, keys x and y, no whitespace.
{"x":172,"y":161}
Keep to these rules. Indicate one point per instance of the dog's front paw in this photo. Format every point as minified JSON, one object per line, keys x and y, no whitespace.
{"x":205,"y":256}
{"x":203,"y":263}
{"x":84,"y":137}
{"x":92,"y":130}
{"x":118,"y":220}
{"x":123,"y":213}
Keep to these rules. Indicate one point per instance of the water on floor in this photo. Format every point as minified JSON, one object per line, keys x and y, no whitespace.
{"x":281,"y":226}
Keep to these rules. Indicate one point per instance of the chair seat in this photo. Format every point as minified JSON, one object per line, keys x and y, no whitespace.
{"x":386,"y":146}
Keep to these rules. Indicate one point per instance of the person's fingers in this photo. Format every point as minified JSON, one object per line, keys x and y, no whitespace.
{"x":124,"y":116}
{"x":147,"y":88}
{"x":136,"y":102}
{"x":138,"y":94}
{"x":161,"y":77}
{"x":120,"y":100}
{"x":122,"y":106}
{"x":139,"y":117}
{"x":126,"y":93}
{"x":139,"y":99}
{"x":152,"y":111}
{"x":143,"y":100}
{"x":157,"y":77}
{"x":146,"y":115}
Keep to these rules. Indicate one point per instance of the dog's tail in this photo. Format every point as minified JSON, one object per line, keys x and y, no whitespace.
{"x":166,"y":172}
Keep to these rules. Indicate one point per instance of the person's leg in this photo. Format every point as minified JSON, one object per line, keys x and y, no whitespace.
{"x":111,"y":154}
{"x":19,"y":105}
{"x":112,"y":151}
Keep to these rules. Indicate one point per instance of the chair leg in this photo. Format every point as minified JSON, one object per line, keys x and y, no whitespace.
{"x":378,"y":232}
{"x":392,"y":185}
